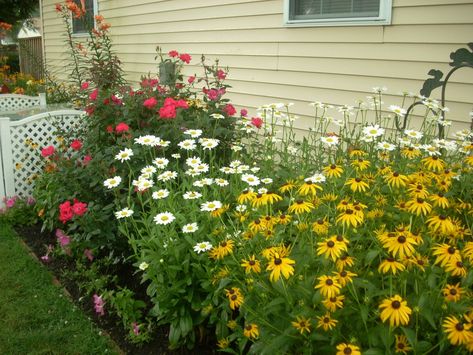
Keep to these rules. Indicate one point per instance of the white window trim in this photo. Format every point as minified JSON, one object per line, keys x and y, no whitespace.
{"x":384,"y":18}
{"x":86,"y":34}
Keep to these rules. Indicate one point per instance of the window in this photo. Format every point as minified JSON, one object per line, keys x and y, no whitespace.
{"x":84,"y":24}
{"x":337,"y":12}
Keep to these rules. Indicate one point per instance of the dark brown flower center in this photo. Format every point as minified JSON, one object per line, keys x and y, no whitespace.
{"x":259,"y":195}
{"x":233,"y":297}
{"x":333,"y":166}
{"x":396,"y":304}
{"x":299,"y":202}
{"x":326,"y":320}
{"x":395,"y":174}
{"x":329,"y":282}
{"x":251,"y":262}
{"x":277,"y":261}
{"x":453,"y":291}
{"x":400,"y":346}
{"x":420,"y":200}
{"x":442,"y":217}
{"x":330,"y":244}
{"x":340,"y":238}
{"x":390,"y":259}
{"x":343,"y":274}
{"x":459,"y":327}
{"x":257,"y":221}
{"x":401,"y":239}
{"x":357,"y":179}
{"x":459,"y":264}
{"x":333,"y":299}
{"x":249,"y":327}
{"x":451,"y":250}
{"x":347,"y":351}
{"x":224,"y":244}
{"x":349,"y":211}
{"x":435,"y":158}
{"x":320,"y":221}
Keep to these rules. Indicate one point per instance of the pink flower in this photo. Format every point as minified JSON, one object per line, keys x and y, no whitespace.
{"x":167,"y":112}
{"x":98,"y":304}
{"x":150,"y":103}
{"x":229,"y":110}
{"x":93,"y":95}
{"x":243,"y":112}
{"x":11,"y":202}
{"x":191,"y":79}
{"x":45,"y":258}
{"x":221,"y":74}
{"x":173,"y":54}
{"x":84,"y":85}
{"x":116,"y":100}
{"x":76,"y":144}
{"x":257,"y":122}
{"x":88,"y":254}
{"x":46,"y":152}
{"x":136,"y":328}
{"x":87,"y":159}
{"x":122,"y":127}
{"x":213,"y":95}
{"x":65,"y":212}
{"x":79,"y":208}
{"x":63,"y":240}
{"x":109,"y":128}
{"x":182,"y":103}
{"x":186,"y":58}
{"x":30,"y":201}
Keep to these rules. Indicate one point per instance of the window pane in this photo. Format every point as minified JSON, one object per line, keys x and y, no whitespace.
{"x":333,"y":9}
{"x":85,"y":23}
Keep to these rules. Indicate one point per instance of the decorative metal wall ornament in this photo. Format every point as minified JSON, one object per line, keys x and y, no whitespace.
{"x":461,"y":58}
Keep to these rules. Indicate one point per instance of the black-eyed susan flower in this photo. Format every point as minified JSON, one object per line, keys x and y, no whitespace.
{"x":402,"y":345}
{"x":287,"y":186}
{"x":418,"y":206}
{"x":418,"y":261}
{"x":344,"y":277}
{"x":434,"y":163}
{"x":329,"y":197}
{"x":308,"y":188}
{"x":232,"y":324}
{"x":410,"y":152}
{"x":333,"y":171}
{"x":350,"y":218}
{"x":300,"y":206}
{"x":259,"y":200}
{"x":223,"y":249}
{"x":223,"y":343}
{"x":272,"y":197}
{"x":348,"y":349}
{"x":361,"y":164}
{"x":321,"y":226}
{"x":455,"y":268}
{"x":256,"y":226}
{"x":251,"y":331}
{"x":284,"y":219}
{"x":251,"y":265}
{"x":418,"y":190}
{"x":326,"y":322}
{"x":458,"y":332}
{"x":439,"y":200}
{"x":390,"y":265}
{"x":396,"y":180}
{"x":402,"y":245}
{"x":302,"y":324}
{"x":468,"y":251}
{"x":344,"y":261}
{"x":395,"y":310}
{"x":357,"y":184}
{"x":235,"y":297}
{"x":334,"y":303}
{"x":452,"y":293}
{"x":330,"y":249}
{"x":445,"y":254}
{"x":220,"y":211}
{"x":440,"y":224}
{"x":246,"y":196}
{"x":328,"y":286}
{"x":279,"y":265}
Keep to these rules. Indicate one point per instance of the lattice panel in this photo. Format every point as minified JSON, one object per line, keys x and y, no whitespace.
{"x":27,"y":140}
{"x":11,"y":102}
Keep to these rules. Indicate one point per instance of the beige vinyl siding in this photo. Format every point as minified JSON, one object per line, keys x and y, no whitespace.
{"x":272,"y":63}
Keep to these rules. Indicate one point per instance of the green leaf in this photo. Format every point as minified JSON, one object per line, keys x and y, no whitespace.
{"x":185,"y":323}
{"x":410,"y":335}
{"x":374,"y":351}
{"x":371,"y":255}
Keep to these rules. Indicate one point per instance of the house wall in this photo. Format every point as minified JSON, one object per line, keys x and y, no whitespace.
{"x":272,"y":63}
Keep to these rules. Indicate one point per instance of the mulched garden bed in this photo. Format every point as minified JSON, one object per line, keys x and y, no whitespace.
{"x":37,"y":242}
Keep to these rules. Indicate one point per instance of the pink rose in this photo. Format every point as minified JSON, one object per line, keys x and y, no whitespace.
{"x":213,"y":95}
{"x":181,"y":103}
{"x":87,"y":159}
{"x":76,"y":144}
{"x":243,"y":112}
{"x":84,"y":85}
{"x":48,"y":151}
{"x":191,"y":79}
{"x":229,"y":109}
{"x":221,"y":74}
{"x":186,"y":58}
{"x":11,"y":202}
{"x":93,"y":95}
{"x":257,"y":122}
{"x":173,"y":54}
{"x":150,"y":103}
{"x":122,"y":127}
{"x":98,"y":304}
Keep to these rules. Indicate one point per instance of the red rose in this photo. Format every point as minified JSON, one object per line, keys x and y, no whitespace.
{"x":186,"y":58}
{"x":243,"y":112}
{"x":84,"y":85}
{"x":65,"y":212}
{"x":221,"y":74}
{"x":76,"y":144}
{"x":46,"y":152}
{"x":173,"y":54}
{"x":257,"y":122}
{"x":150,"y":103}
{"x":122,"y":127}
{"x":191,"y":79}
{"x":229,"y":109}
{"x":167,"y":112}
{"x":79,"y":208}
{"x":93,"y":95}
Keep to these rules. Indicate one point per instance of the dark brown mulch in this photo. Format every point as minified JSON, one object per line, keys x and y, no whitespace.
{"x":38,"y":241}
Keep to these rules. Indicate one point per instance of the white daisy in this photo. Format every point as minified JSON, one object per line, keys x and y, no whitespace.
{"x":236,"y":148}
{"x":160,"y":194}
{"x":176,"y":155}
{"x":242,"y":168}
{"x":250,"y":179}
{"x":227,"y":170}
{"x":194,"y":133}
{"x":126,"y":212}
{"x":235,"y":163}
{"x":143,"y":266}
{"x":217,"y":116}
{"x":187,"y":144}
{"x":207,"y":181}
{"x":124,"y":154}
{"x":202,"y":168}
{"x":240,"y":208}
{"x":202,"y":246}
{"x":255,"y":169}
{"x":161,"y":163}
{"x":262,"y":190}
{"x":149,"y":169}
{"x":164,"y":218}
{"x":147,"y":140}
{"x":162,"y":143}
{"x":145,"y":184}
{"x":330,"y":140}
{"x":373,"y":131}
{"x":399,"y":111}
{"x":208,"y":143}
{"x":386,"y":146}
{"x":316,"y":178}
{"x":190,"y":228}
{"x":193,"y":172}
{"x":167,"y":175}
{"x":210,"y":206}
{"x":192,"y":195}
{"x":193,"y":161}
{"x":112,"y":182}
{"x":221,"y":182}
{"x":413,"y":134}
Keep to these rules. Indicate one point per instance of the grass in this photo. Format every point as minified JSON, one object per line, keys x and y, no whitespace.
{"x":36,"y":317}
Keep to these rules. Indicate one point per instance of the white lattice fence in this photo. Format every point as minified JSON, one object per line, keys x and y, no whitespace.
{"x":20,"y":143}
{"x":14,"y":102}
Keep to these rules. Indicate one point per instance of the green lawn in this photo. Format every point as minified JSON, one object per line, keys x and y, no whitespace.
{"x":35,"y":315}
